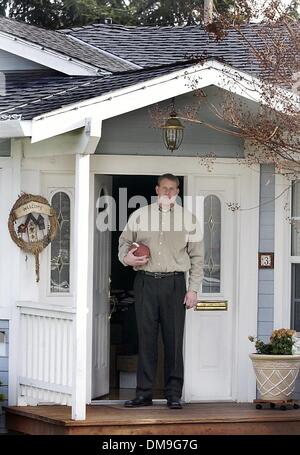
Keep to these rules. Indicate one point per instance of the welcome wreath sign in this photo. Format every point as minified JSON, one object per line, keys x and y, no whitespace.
{"x":32,"y":225}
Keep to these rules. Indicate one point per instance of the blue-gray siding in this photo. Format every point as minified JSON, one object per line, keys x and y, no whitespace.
{"x":266,"y":244}
{"x":265,"y":317}
{"x":4,"y":326}
{"x":133,"y":133}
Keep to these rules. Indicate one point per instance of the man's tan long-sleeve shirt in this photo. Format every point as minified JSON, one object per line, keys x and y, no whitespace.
{"x":174,"y":237}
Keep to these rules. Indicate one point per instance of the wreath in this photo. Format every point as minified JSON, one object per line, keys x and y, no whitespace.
{"x":32,"y":225}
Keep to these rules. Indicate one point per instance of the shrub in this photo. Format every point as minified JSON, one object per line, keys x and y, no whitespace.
{"x":281,"y":343}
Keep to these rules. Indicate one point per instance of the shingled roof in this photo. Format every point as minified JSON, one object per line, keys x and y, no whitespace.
{"x":64,"y":45}
{"x":159,"y":50}
{"x":152,"y":45}
{"x":39,"y":93}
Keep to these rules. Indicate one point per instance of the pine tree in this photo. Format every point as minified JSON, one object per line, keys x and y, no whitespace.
{"x":54,"y":14}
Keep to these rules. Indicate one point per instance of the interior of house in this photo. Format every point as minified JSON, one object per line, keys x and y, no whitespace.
{"x":123,"y":328}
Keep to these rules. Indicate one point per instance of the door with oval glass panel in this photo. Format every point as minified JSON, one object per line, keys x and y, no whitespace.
{"x":101,"y":287}
{"x":209,"y":334}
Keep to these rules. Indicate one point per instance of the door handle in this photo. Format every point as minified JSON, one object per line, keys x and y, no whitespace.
{"x":211,"y":305}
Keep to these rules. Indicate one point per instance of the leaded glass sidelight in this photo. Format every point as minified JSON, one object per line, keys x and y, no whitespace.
{"x":295,"y":247}
{"x":60,"y":246}
{"x":212,"y":245}
{"x":296,"y":218}
{"x":295,"y":313}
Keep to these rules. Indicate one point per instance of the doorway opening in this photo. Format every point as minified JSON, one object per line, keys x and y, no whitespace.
{"x":122,"y":332}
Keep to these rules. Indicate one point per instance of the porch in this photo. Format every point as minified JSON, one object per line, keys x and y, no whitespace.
{"x":193,"y":419}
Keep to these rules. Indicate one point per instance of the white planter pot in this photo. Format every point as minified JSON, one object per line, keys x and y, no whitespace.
{"x":275,"y":375}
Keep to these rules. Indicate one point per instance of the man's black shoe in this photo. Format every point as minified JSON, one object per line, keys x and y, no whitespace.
{"x":174,"y":403}
{"x":138,"y":401}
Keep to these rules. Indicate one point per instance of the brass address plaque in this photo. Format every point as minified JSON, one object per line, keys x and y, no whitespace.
{"x":210,"y":305}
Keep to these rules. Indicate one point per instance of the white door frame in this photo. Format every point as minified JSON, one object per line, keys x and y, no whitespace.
{"x":101,"y":303}
{"x":282,"y":253}
{"x":248,"y":181}
{"x":11,"y":187}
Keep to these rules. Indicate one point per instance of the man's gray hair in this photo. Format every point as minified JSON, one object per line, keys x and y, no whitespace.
{"x":169,"y":177}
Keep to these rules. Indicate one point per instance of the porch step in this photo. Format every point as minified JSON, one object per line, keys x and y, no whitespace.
{"x":193,"y":419}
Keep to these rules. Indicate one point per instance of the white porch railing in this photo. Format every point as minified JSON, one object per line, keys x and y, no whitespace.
{"x":46,"y":354}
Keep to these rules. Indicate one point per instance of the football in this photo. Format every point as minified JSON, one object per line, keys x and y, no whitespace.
{"x":142,"y":249}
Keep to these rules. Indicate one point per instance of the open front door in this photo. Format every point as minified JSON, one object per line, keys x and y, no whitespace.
{"x":102,"y":265}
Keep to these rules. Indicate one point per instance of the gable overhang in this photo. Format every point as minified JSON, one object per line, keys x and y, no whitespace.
{"x":153,"y":91}
{"x":47,"y":57}
{"x":176,"y":83}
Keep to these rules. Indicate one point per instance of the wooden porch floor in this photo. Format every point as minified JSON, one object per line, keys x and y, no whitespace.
{"x":193,"y":419}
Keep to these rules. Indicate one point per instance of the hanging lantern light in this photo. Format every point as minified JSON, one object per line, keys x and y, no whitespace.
{"x":173,"y":131}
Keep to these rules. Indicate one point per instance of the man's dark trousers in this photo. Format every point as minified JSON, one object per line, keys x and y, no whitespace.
{"x":160,"y":300}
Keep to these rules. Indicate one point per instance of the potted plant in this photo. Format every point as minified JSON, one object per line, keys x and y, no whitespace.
{"x":276,"y":365}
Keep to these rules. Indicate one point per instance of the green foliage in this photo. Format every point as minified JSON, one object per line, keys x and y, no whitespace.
{"x":173,"y":12}
{"x":43,"y":13}
{"x":3,"y":5}
{"x":54,"y":14}
{"x":78,"y":12}
{"x":294,"y":9}
{"x":281,"y":343}
{"x":83,"y":12}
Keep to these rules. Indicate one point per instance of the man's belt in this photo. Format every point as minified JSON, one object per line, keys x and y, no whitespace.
{"x":160,"y":274}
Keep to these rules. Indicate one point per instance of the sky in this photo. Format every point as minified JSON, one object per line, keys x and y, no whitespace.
{"x":263,"y":3}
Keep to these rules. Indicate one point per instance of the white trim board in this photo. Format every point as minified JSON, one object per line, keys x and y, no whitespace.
{"x":152,"y":91}
{"x":12,"y":272}
{"x":244,"y":384}
{"x":10,"y":127}
{"x":150,"y":165}
{"x":282,"y":255}
{"x":6,"y":162}
{"x":47,"y":57}
{"x":81,"y":272}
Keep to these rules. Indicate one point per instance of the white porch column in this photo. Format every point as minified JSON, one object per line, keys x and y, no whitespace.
{"x":14,"y":278}
{"x":82,"y":176}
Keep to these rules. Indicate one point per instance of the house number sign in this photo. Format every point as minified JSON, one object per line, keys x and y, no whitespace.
{"x":266,"y":260}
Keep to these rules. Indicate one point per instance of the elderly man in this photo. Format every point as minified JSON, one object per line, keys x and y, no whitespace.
{"x":174,"y":238}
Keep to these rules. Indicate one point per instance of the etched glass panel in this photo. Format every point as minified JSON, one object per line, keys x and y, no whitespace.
{"x":60,"y":247}
{"x":3,"y":343}
{"x":295,"y":251}
{"x":212,"y":245}
{"x":296,"y":219}
{"x":295,"y":313}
